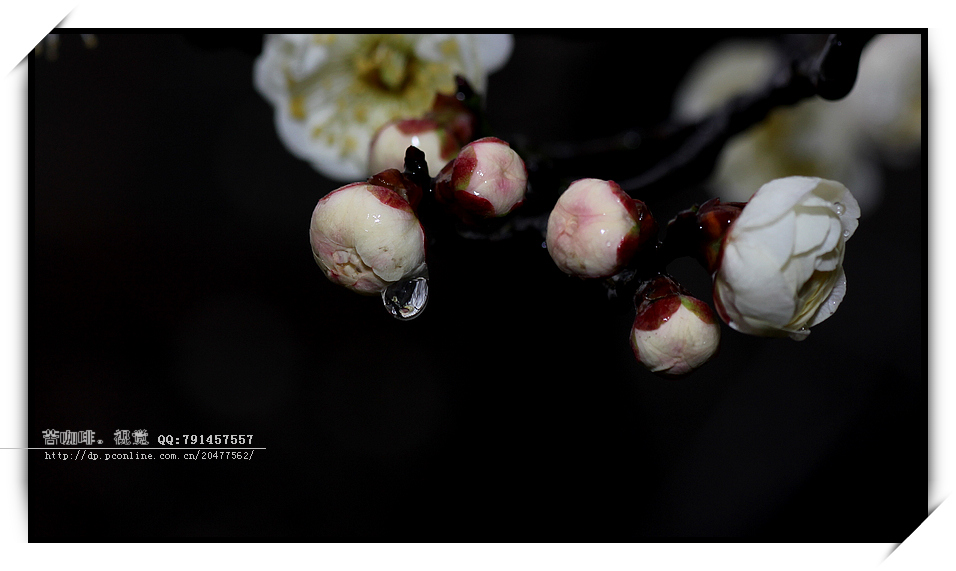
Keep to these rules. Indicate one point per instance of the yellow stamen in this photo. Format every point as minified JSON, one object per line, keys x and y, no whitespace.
{"x":297,"y":107}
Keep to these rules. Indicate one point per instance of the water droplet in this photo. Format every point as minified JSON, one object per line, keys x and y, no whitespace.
{"x":840,"y":208}
{"x":800,"y":335}
{"x":406,"y":299}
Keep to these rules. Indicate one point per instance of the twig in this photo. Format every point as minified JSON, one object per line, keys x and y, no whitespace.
{"x":829,"y":74}
{"x":685,"y":154}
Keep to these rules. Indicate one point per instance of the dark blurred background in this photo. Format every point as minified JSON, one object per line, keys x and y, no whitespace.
{"x":172,"y":289}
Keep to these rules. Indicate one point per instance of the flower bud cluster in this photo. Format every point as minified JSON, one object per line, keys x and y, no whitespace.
{"x":776,"y":261}
{"x":366,"y":236}
{"x":440,"y":134}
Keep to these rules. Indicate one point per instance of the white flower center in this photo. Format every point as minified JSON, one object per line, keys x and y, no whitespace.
{"x":361,"y":87}
{"x":385,"y":65}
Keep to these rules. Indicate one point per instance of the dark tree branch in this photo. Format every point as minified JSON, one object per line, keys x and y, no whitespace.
{"x":682,"y":155}
{"x":829,"y":74}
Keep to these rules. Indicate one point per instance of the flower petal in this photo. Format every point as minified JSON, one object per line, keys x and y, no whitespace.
{"x":324,"y":158}
{"x":814,"y":291}
{"x":828,"y":307}
{"x":776,"y":241}
{"x":813,"y":229}
{"x":494,"y":50}
{"x":725,"y":300}
{"x":759,"y":287}
{"x":829,"y":261}
{"x":843,"y":202}
{"x":775,"y":199}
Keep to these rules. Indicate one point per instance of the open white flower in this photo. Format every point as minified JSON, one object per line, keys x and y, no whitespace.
{"x":781,"y":270}
{"x":331,"y":92}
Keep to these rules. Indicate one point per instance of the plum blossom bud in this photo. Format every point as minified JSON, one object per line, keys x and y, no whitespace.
{"x":387,"y":150}
{"x":781,"y":265}
{"x":673,"y":333}
{"x":366,"y":237}
{"x":699,"y":232}
{"x":595,"y":229}
{"x":713,"y":219}
{"x":401,"y":183}
{"x":487,"y":180}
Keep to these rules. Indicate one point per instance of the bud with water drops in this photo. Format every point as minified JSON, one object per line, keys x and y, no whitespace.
{"x":487,"y":180}
{"x":673,"y":332}
{"x":366,"y":236}
{"x":596,"y":228}
{"x":780,"y":269}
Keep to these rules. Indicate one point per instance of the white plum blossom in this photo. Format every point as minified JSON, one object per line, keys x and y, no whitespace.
{"x":837,"y":140}
{"x":673,"y":333}
{"x":809,"y":139}
{"x":781,"y":266}
{"x":366,"y":237}
{"x":487,"y":179}
{"x":595,"y":228}
{"x":331,"y":92}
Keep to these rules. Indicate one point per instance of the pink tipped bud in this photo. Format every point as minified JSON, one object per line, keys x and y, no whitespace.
{"x":487,"y":180}
{"x":673,"y":333}
{"x":387,"y":149}
{"x":595,"y":228}
{"x":366,"y":237}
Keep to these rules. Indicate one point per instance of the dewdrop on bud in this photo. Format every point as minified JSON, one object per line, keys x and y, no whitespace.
{"x":596,"y":228}
{"x":387,"y":149}
{"x":366,"y":237}
{"x":487,"y":180}
{"x":673,"y":333}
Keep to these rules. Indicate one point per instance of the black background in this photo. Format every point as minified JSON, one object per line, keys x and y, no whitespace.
{"x":172,"y":289}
